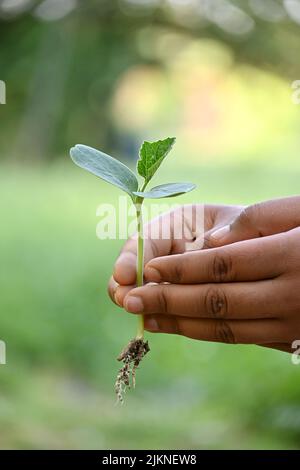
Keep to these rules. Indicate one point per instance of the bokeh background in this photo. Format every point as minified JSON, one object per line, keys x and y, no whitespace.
{"x":215,"y":73}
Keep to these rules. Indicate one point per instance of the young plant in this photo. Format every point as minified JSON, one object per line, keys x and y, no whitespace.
{"x":113,"y":171}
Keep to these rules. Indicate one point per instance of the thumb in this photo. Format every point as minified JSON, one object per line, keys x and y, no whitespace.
{"x":260,"y":220}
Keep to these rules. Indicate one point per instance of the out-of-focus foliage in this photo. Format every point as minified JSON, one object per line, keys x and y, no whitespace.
{"x":215,"y":73}
{"x":63,"y":60}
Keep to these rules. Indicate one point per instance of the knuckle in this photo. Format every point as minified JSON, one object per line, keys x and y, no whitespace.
{"x":177,"y":273}
{"x":179,"y":269}
{"x":224,"y":333}
{"x":154,"y":248}
{"x":176,"y":326}
{"x":216,"y":304}
{"x":163,"y":300}
{"x":222,"y":267}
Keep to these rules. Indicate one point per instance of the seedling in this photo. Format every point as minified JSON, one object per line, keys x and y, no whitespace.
{"x":113,"y":171}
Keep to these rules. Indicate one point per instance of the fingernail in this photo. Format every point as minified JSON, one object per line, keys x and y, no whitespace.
{"x":151,"y":324}
{"x":117,"y":297}
{"x":134,"y":304}
{"x":152,"y":274}
{"x":220,"y":233}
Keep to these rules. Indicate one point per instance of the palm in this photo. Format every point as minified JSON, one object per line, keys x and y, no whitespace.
{"x":162,"y":237}
{"x":195,"y":235}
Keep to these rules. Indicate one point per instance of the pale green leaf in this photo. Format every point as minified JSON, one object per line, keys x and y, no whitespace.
{"x":166,"y":190}
{"x":105,"y":167}
{"x":151,"y":156}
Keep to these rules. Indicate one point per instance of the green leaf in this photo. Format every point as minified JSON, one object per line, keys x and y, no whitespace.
{"x":151,"y":156}
{"x":166,"y":190}
{"x":107,"y":168}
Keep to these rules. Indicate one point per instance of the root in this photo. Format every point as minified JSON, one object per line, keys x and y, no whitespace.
{"x":131,"y":357}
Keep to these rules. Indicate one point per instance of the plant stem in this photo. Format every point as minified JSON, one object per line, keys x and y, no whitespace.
{"x":140,"y":260}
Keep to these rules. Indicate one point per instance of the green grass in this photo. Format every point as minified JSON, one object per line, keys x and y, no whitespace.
{"x":63,"y":334}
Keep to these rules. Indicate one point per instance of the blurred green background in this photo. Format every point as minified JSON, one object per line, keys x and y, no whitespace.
{"x":217,"y":74}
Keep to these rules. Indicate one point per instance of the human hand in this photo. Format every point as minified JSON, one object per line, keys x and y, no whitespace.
{"x":247,"y":292}
{"x":179,"y":220}
{"x":259,"y":220}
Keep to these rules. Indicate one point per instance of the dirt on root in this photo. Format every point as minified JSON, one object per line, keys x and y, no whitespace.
{"x":131,"y":357}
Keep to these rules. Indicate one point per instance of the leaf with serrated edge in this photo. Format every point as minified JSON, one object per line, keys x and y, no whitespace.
{"x":151,"y":156}
{"x":105,"y":167}
{"x":166,"y":190}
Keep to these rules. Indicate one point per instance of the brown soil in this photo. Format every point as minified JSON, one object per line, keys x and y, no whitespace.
{"x":131,"y":357}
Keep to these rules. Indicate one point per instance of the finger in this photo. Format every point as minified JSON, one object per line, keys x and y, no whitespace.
{"x":117,"y":293}
{"x":232,"y":332}
{"x":120,"y":294}
{"x":219,"y":216}
{"x":266,"y":218}
{"x":242,"y":261}
{"x":244,"y":300}
{"x":125,"y":266}
{"x":122,"y":291}
{"x":166,"y":234}
{"x":111,"y":288}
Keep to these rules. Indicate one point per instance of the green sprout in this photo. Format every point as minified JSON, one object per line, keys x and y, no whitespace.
{"x":116,"y":173}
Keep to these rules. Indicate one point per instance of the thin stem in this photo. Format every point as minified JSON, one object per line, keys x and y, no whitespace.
{"x":143,"y":187}
{"x":140,"y":260}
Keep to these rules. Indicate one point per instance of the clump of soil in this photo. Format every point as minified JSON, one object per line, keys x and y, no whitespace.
{"x":131,"y":357}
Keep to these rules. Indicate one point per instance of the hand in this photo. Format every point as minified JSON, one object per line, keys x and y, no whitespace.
{"x":259,"y":220}
{"x":215,"y":216}
{"x":246,"y":292}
